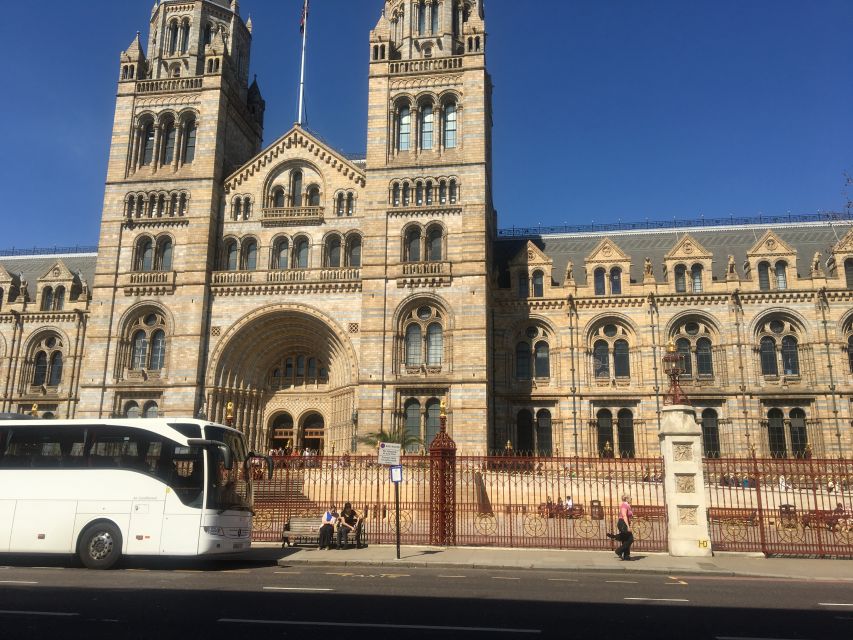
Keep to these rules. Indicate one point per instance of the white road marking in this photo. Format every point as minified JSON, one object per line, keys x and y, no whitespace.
{"x":294,"y":589}
{"x":835,"y":604}
{"x":677,"y":581}
{"x":289,"y":573}
{"x":452,"y":576}
{"x":746,"y":638}
{"x":420,"y":627}
{"x":561,"y":580}
{"x":620,"y":582}
{"x":59,"y":614}
{"x":659,"y":599}
{"x":504,"y":578}
{"x":17,"y":582}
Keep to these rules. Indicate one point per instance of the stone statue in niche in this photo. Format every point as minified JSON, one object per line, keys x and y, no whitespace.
{"x":647,"y":267}
{"x":570,"y":271}
{"x":816,"y":263}
{"x":730,"y":269}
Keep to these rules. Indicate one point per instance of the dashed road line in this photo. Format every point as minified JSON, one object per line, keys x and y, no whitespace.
{"x":54,"y":614}
{"x":504,"y":578}
{"x":835,"y":604}
{"x":659,"y":599}
{"x":621,"y":582}
{"x":561,"y":580}
{"x":416,"y":627}
{"x":452,"y":576}
{"x":18,"y":582}
{"x":746,"y":638}
{"x":295,"y":589}
{"x":289,"y":573}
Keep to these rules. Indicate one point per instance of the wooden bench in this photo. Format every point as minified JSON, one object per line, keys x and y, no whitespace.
{"x":831,"y":519}
{"x":301,"y":529}
{"x":738,"y":515}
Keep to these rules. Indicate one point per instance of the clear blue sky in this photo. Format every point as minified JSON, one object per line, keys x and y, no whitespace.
{"x":604,"y":109}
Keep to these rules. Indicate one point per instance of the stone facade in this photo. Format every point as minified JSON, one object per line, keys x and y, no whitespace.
{"x":328,"y":297}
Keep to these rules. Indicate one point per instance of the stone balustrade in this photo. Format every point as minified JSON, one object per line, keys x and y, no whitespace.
{"x":148,"y":282}
{"x":170,"y":84}
{"x":427,"y":65}
{"x":283,"y":216}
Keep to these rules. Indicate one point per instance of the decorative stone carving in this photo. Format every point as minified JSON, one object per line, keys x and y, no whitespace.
{"x":688,"y":515}
{"x":682,"y":452}
{"x":685,"y":483}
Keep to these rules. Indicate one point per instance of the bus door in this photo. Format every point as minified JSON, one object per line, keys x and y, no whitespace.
{"x":184,"y":500}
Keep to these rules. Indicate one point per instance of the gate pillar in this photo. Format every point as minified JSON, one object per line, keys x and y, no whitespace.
{"x":684,"y":482}
{"x":442,"y":473}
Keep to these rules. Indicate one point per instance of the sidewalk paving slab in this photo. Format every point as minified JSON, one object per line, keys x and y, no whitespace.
{"x":722,"y":564}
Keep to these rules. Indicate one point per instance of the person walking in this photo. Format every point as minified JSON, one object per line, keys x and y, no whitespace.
{"x":626,"y":515}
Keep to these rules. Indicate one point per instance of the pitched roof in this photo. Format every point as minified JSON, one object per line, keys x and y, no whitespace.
{"x":34,"y":267}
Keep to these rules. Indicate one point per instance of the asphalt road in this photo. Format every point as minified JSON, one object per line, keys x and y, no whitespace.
{"x":253,"y":597}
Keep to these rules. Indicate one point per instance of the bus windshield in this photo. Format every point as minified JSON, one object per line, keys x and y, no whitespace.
{"x":228,"y":489}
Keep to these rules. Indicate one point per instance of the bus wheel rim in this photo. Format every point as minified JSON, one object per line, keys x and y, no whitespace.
{"x":101,"y":545}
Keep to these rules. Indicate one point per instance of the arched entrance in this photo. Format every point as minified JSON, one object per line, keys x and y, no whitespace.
{"x":524,"y":432}
{"x":314,"y":433}
{"x":282,"y":434}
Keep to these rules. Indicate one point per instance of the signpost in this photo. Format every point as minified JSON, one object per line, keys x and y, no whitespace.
{"x":389,"y":454}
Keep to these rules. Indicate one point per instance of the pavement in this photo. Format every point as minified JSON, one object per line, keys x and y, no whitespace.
{"x":721,"y":564}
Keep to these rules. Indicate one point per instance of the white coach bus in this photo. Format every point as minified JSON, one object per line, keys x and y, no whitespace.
{"x":106,"y":488}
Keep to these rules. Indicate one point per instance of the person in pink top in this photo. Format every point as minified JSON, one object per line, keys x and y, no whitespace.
{"x":626,"y":515}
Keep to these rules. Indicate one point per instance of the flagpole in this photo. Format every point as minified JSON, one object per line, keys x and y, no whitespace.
{"x":302,"y":70}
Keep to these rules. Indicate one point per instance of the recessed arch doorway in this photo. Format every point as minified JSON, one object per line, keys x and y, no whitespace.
{"x":313,"y":433}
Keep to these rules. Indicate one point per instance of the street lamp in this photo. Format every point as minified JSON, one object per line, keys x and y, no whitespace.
{"x":673,"y":367}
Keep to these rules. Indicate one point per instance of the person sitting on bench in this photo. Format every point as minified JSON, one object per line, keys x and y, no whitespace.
{"x":327,"y":527}
{"x":350,"y":522}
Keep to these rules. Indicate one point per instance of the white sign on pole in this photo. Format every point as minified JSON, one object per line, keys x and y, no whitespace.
{"x":389,"y":453}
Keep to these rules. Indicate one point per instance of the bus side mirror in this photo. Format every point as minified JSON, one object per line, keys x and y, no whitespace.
{"x":227,"y":457}
{"x":227,"y":454}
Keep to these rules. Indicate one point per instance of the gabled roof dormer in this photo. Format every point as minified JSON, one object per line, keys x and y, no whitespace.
{"x":530,"y":271}
{"x":688,"y":266}
{"x":608,"y":269}
{"x":771,"y":261}
{"x":840,"y":263}
{"x":55,"y":286}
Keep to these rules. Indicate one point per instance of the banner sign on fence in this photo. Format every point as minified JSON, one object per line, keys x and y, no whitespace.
{"x":389,"y":453}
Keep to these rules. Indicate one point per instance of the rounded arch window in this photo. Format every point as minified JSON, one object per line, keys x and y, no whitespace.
{"x":313,"y":196}
{"x":848,"y":273}
{"x":296,"y":188}
{"x":423,"y":337}
{"x":413,"y":245}
{"x":538,"y":284}
{"x":164,"y":254}
{"x":145,"y":255}
{"x":696,"y":278}
{"x":278,"y":198}
{"x":542,"y":360}
{"x":404,"y":128}
{"x":781,"y":275}
{"x":599,"y":281}
{"x":300,"y":253}
{"x":544,"y":437}
{"x":250,"y":254}
{"x":47,"y":299}
{"x":354,"y":251}
{"x":776,"y":433}
{"x":231,"y":255}
{"x":680,"y":279}
{"x":281,"y":251}
{"x":435,"y":239}
{"x":427,"y":121}
{"x":48,"y":362}
{"x":616,"y":281}
{"x":151,"y":410}
{"x":131,"y":410}
{"x":778,"y":348}
{"x":764,"y":276}
{"x":147,"y":341}
{"x":412,"y":411}
{"x":710,"y":434}
{"x":799,"y":433}
{"x":693,"y":343}
{"x":451,"y":113}
{"x":333,"y":252}
{"x":604,"y":433}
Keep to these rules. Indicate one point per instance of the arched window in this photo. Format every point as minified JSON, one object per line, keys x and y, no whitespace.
{"x":538,"y":284}
{"x":442,"y":192}
{"x":625,"y":431}
{"x":433,"y":420}
{"x":616,"y":281}
{"x":296,"y":189}
{"x":604,"y":423}
{"x":148,"y":143}
{"x":278,"y":198}
{"x":621,"y":359}
{"x":454,"y":192}
{"x":182,"y":204}
{"x":544,"y":438}
{"x":165,"y":255}
{"x":145,"y":255}
{"x":47,"y":299}
{"x":238,"y":208}
{"x":522,"y":361}
{"x":190,"y":132}
{"x":333,"y":252}
{"x":300,"y":366}
{"x":301,"y":254}
{"x":139,"y":355}
{"x":799,"y":433}
{"x":790,"y":356}
{"x":413,"y":422}
{"x":776,"y":433}
{"x":413,"y":245}
{"x":313,"y":196}
{"x":59,"y":299}
{"x":523,"y":284}
{"x":710,"y":434}
{"x":280,"y":254}
{"x":769,"y":365}
{"x":339,"y":209}
{"x":435,"y":345}
{"x":450,"y":126}
{"x":682,"y":345}
{"x":419,"y":194}
{"x":173,"y":38}
{"x":598,"y":279}
{"x":680,"y":279}
{"x":696,"y":278}
{"x":848,"y":272}
{"x":413,"y":345}
{"x":404,"y":128}
{"x":40,"y":369}
{"x":131,"y":410}
{"x":158,"y":350}
{"x":232,"y":255}
{"x":764,"y":276}
{"x":542,"y":359}
{"x":429,"y":193}
{"x":350,"y":205}
{"x":151,"y":410}
{"x":171,"y":135}
{"x":395,"y":194}
{"x":704,"y":358}
{"x":421,"y":17}
{"x":312,"y":368}
{"x":435,"y":239}
{"x":354,"y":251}
{"x":208,"y":34}
{"x":601,"y":359}
{"x":407,"y":194}
{"x":849,"y":348}
{"x":250,"y":255}
{"x":427,"y":118}
{"x":781,"y":275}
{"x":434,"y":21}
{"x":185,"y":36}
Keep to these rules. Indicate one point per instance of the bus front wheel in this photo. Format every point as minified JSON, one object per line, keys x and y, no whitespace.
{"x":100,"y":545}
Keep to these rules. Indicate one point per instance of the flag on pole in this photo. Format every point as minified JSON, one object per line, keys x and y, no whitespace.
{"x":304,"y":17}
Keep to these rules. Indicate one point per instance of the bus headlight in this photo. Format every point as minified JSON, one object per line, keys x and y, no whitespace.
{"x":215,"y":531}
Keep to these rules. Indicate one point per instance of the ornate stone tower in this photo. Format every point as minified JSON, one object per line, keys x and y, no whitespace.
{"x":425,"y":326}
{"x":185,"y":118}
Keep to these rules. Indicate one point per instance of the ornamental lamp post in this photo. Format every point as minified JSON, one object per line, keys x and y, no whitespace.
{"x":673,"y":367}
{"x":229,"y":414}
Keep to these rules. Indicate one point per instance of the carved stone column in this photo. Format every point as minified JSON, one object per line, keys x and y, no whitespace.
{"x":684,"y":483}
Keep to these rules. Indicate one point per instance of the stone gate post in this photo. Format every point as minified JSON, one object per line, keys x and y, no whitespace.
{"x":684,"y":482}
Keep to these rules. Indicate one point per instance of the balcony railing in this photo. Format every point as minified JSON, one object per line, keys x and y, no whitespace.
{"x":421,"y":66}
{"x":414,"y":274}
{"x":172,"y":84}
{"x":283,"y":216}
{"x":288,"y":276}
{"x":148,"y":282}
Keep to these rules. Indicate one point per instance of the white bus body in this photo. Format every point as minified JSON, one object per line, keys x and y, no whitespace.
{"x":105,"y":488}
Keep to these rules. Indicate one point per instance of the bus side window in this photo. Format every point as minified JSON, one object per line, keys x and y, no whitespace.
{"x":4,"y":434}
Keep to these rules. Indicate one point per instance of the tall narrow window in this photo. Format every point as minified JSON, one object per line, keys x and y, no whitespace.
{"x":47,"y":299}
{"x":413,"y":422}
{"x":185,"y":37}
{"x":314,"y":196}
{"x":710,"y":434}
{"x":542,"y":360}
{"x":238,"y":209}
{"x":173,"y":38}
{"x":333,"y":252}
{"x":680,"y":279}
{"x":625,"y":431}
{"x":790,"y":356}
{"x":59,"y":299}
{"x":169,"y":151}
{"x":139,"y":345}
{"x":354,"y":260}
{"x":769,"y":364}
{"x":165,"y":256}
{"x":621,"y":359}
{"x":350,"y":205}
{"x":250,"y":255}
{"x":704,"y":358}
{"x":781,"y":275}
{"x":278,"y":198}
{"x":764,"y":276}
{"x":598,"y":281}
{"x":538,"y":284}
{"x":605,"y":433}
{"x":340,"y":207}
{"x":434,"y":242}
{"x":419,"y":194}
{"x":544,"y":437}
{"x":426,"y":127}
{"x":301,"y":251}
{"x":434,"y":28}
{"x":232,"y":255}
{"x":616,"y":281}
{"x":300,"y":366}
{"x":158,"y":350}
{"x":601,"y":359}
{"x":296,"y":189}
{"x":145,"y":260}
{"x":433,"y":420}
{"x":799,"y":433}
{"x":404,"y":124}
{"x":435,"y":345}
{"x":429,"y":191}
{"x":696,"y":278}
{"x":413,"y":245}
{"x":523,"y":284}
{"x":40,"y":369}
{"x":421,"y":18}
{"x":312,"y":368}
{"x":281,"y":254}
{"x":407,"y":194}
{"x":442,"y":192}
{"x":683,"y":347}
{"x":450,"y":113}
{"x":395,"y":194}
{"x":148,"y":142}
{"x":522,"y":361}
{"x":190,"y":133}
{"x":413,"y":345}
{"x":454,"y":192}
{"x":849,"y":348}
{"x":776,"y":434}
{"x":848,"y":272}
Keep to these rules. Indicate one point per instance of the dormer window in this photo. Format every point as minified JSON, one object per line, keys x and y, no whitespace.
{"x":681,"y":279}
{"x":764,"y":276}
{"x":781,"y":275}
